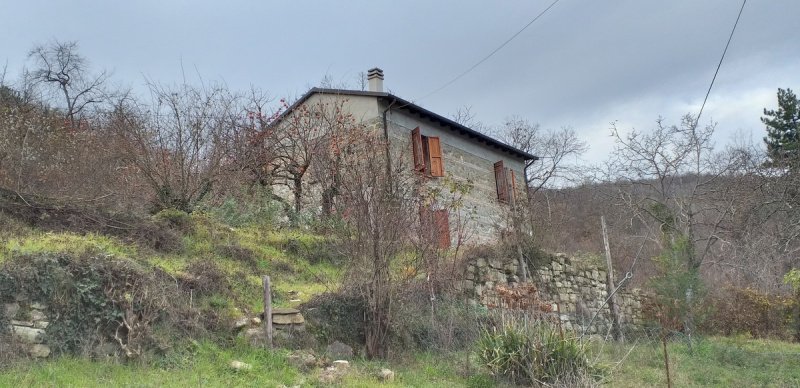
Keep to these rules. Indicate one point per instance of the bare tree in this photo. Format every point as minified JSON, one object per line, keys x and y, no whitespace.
{"x":304,"y":134}
{"x":181,"y":141}
{"x":671,"y":177}
{"x":557,"y":152}
{"x":60,"y":67}
{"x":466,"y":117}
{"x":380,"y":214}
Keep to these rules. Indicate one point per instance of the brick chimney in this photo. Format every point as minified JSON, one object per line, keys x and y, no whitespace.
{"x":375,"y":79}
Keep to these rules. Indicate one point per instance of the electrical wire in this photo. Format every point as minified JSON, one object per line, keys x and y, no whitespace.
{"x":720,"y":62}
{"x":490,"y":54}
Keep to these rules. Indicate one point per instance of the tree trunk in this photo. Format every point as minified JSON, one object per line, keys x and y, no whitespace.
{"x":297,"y":179}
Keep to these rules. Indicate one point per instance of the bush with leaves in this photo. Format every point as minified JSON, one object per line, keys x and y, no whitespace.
{"x":792,"y":278}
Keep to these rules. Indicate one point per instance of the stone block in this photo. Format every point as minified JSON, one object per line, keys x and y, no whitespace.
{"x":10,"y":309}
{"x":386,"y":375}
{"x":28,"y":334}
{"x":240,"y":366}
{"x":37,"y":315}
{"x":39,"y":351}
{"x":341,"y":364}
{"x":287,"y":316}
{"x":339,"y":351}
{"x":38,"y":306}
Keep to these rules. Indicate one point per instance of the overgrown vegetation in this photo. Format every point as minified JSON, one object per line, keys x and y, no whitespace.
{"x":526,"y":351}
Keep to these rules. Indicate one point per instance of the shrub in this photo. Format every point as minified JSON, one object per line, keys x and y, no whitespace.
{"x":447,"y":324}
{"x":93,"y":300}
{"x":337,"y":317}
{"x":260,"y":208}
{"x":531,"y":352}
{"x":745,"y":310}
{"x":176,"y":219}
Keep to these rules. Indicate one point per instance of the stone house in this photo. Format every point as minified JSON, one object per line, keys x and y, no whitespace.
{"x":441,"y":150}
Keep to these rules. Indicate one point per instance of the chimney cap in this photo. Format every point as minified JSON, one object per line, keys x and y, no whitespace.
{"x":375,"y":72}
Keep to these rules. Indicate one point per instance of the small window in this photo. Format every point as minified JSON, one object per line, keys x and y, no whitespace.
{"x":427,"y":152}
{"x":435,"y":226}
{"x":505,"y":181}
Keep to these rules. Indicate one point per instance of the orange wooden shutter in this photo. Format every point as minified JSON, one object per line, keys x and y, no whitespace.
{"x":435,"y":151}
{"x":500,"y":181}
{"x":442,"y":221}
{"x":416,"y":146}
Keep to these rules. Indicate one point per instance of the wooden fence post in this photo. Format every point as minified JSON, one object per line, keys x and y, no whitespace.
{"x":613,"y":307}
{"x":268,"y":310}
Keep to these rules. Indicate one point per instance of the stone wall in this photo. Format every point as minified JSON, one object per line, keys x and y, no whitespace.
{"x":573,"y":289}
{"x":27,"y":321}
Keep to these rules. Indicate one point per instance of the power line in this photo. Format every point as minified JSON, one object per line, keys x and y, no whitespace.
{"x":490,"y":54}
{"x":720,"y":62}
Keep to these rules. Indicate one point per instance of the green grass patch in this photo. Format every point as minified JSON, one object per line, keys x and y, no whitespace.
{"x":713,"y":361}
{"x":65,"y":243}
{"x":206,"y":365}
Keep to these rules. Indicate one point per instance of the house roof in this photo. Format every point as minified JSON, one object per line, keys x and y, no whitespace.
{"x":399,"y":103}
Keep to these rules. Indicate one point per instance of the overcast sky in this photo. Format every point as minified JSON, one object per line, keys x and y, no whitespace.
{"x":584,"y":64}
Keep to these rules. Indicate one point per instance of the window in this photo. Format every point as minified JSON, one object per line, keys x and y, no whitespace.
{"x":505,"y":181}
{"x":427,"y":152}
{"x":435,"y":226}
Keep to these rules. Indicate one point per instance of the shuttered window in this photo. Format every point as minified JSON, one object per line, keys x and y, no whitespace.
{"x":416,"y":146}
{"x":435,"y":152}
{"x":435,"y":226}
{"x":500,"y":181}
{"x":506,"y":183}
{"x":427,"y":151}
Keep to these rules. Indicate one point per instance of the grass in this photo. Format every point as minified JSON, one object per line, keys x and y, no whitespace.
{"x":713,"y":362}
{"x":280,"y":254}
{"x":207,"y":365}
{"x":37,"y":242}
{"x":294,"y":261}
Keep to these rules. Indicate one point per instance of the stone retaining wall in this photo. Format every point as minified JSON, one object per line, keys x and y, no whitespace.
{"x":573,"y":289}
{"x":27,"y":321}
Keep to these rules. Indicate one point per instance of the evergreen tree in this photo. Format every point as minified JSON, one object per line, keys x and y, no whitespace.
{"x":783,"y":129}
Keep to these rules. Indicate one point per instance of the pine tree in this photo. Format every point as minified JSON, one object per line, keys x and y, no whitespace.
{"x":783,"y":130}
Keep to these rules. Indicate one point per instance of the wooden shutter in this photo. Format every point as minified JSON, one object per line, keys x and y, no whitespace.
{"x":416,"y":146}
{"x":442,"y":223}
{"x":435,"y":152}
{"x":501,"y":182}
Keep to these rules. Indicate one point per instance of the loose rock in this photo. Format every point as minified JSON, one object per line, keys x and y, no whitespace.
{"x":39,"y":351}
{"x":240,"y":323}
{"x":339,"y":351}
{"x":341,"y":364}
{"x":386,"y":375}
{"x":238,"y":365}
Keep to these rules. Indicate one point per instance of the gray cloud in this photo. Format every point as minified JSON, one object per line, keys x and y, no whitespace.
{"x":583,"y":64}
